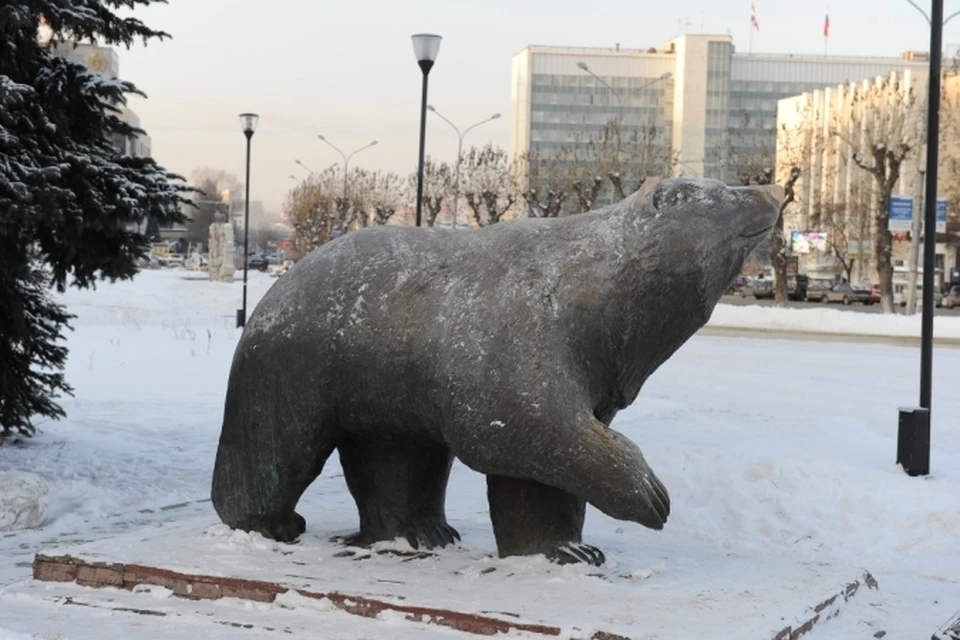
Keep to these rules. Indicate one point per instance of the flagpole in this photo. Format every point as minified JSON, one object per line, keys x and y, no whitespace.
{"x":826,"y":31}
{"x":750,"y":52}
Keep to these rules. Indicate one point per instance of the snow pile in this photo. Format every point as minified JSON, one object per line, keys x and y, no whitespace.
{"x":819,"y":320}
{"x":23,"y":500}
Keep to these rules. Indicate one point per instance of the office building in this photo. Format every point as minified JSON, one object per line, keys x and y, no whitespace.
{"x":716,"y":107}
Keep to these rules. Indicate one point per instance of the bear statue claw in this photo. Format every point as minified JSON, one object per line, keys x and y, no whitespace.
{"x":572,"y":552}
{"x":432,"y":535}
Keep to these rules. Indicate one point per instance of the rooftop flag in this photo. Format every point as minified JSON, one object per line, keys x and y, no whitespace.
{"x":826,"y":25}
{"x":753,"y":17}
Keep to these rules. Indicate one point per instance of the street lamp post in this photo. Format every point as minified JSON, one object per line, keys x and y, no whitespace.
{"x":248,"y":122}
{"x":346,"y":160}
{"x":456,"y":179}
{"x":913,"y":434}
{"x":426,"y":46}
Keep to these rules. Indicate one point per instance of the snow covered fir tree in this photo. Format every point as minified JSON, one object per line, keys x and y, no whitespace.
{"x":71,"y":203}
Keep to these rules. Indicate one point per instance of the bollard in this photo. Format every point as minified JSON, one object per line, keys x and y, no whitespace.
{"x":913,"y":441}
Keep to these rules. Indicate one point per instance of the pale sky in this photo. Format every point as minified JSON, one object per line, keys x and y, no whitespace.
{"x":346,"y":69}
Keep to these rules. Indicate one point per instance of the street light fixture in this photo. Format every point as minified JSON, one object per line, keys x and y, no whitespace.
{"x":346,"y":161}
{"x":456,"y":179}
{"x":305,"y":167}
{"x":426,"y":46}
{"x":248,"y":123}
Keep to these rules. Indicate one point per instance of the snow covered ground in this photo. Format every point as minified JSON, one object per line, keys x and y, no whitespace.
{"x":778,"y":456}
{"x":818,"y":320}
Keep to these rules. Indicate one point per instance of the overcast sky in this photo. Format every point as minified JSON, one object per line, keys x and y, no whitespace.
{"x":346,"y":69}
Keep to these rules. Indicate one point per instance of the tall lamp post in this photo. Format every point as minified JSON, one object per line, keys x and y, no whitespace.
{"x":456,"y":179}
{"x":426,"y":46}
{"x":913,"y":434}
{"x":248,"y":122}
{"x":346,"y":159}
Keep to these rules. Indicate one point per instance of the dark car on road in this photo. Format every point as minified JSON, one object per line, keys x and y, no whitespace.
{"x":848,"y":294}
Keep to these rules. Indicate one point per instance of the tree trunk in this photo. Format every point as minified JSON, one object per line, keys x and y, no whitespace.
{"x":883,"y":251}
{"x":779,"y":259}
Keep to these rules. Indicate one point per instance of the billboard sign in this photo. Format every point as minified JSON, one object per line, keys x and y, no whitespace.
{"x":807,"y":241}
{"x":901,"y":213}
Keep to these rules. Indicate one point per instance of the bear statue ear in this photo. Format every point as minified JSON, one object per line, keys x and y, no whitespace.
{"x":775,"y":190}
{"x":647,"y":194}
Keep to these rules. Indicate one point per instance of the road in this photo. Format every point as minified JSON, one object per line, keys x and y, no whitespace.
{"x":859,"y":308}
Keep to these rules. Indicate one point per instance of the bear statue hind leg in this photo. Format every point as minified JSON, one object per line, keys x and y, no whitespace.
{"x":530,"y":518}
{"x":400,"y":489}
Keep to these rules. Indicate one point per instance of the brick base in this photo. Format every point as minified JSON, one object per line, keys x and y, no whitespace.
{"x":204,"y":587}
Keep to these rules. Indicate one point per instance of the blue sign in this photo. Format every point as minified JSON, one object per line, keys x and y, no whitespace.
{"x":901,"y":213}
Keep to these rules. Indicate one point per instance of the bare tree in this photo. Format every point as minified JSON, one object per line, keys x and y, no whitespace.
{"x":213,"y":183}
{"x":880,"y":127}
{"x":837,"y":225}
{"x":438,"y":187}
{"x":383,"y":194}
{"x":780,"y":248}
{"x":545,"y":190}
{"x":316,"y":209}
{"x":491,"y":185}
{"x":743,"y":157}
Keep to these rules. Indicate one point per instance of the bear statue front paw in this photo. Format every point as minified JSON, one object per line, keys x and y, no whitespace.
{"x":432,"y":535}
{"x":279,"y":528}
{"x":572,"y":552}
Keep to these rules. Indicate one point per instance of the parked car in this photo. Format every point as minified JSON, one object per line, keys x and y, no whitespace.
{"x":257,"y":262}
{"x":737,"y":285}
{"x":900,"y":294}
{"x":848,"y":294}
{"x":758,"y":288}
{"x":817,"y":289}
{"x":952,"y":299}
{"x":797,"y":287}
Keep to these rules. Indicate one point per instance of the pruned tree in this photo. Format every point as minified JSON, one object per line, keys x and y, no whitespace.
{"x":838,"y":228}
{"x":211,"y":183}
{"x":381,"y":194}
{"x":71,"y":204}
{"x":591,"y":170}
{"x":880,"y":126}
{"x":746,"y":158}
{"x":490,"y":183}
{"x":438,"y":187}
{"x":779,"y":247}
{"x":546,"y":185}
{"x":315,"y":212}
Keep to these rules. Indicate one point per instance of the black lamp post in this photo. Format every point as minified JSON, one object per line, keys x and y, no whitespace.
{"x":248,"y":122}
{"x":913,"y":435}
{"x":426,"y":46}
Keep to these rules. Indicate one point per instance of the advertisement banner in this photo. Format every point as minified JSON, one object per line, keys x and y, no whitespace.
{"x":807,"y":241}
